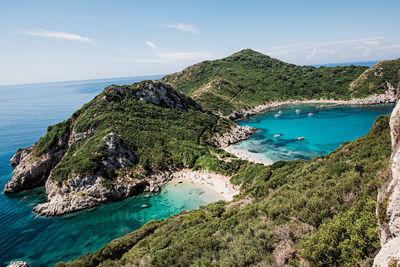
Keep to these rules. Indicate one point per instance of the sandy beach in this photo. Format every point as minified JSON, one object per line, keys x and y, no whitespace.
{"x":245,"y":155}
{"x":216,"y":182}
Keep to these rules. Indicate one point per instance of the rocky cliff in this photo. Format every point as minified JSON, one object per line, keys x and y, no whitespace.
{"x":233,"y":136}
{"x":388,"y":210}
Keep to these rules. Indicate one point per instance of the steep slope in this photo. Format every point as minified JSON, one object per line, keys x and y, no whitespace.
{"x":383,"y":76}
{"x":320,"y":211}
{"x":123,"y":142}
{"x":248,"y":78}
{"x":389,"y":202}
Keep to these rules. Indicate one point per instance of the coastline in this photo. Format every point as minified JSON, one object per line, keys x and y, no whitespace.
{"x":390,"y":96}
{"x":215,"y":182}
{"x":245,"y":155}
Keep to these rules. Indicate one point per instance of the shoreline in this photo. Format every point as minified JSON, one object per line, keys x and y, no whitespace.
{"x":390,"y":96}
{"x":215,"y":182}
{"x":246,"y":155}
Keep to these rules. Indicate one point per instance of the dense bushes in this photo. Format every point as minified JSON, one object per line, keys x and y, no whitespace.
{"x":248,"y":78}
{"x":160,"y":138}
{"x":333,"y":197}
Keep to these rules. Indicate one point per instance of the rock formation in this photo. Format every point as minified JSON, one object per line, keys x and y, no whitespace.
{"x":235,"y":135}
{"x":164,"y":96}
{"x":389,"y":202}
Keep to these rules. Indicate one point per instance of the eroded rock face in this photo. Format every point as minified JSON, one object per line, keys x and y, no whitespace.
{"x":32,"y":171}
{"x":80,"y":193}
{"x":114,"y":92}
{"x":390,"y":229}
{"x":235,"y":135}
{"x":119,"y":154}
{"x":164,"y":96}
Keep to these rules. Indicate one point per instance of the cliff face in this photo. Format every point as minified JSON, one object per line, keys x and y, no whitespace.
{"x":125,"y":141}
{"x":388,"y":210}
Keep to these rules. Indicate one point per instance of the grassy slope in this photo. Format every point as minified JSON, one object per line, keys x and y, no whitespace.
{"x":372,"y":80}
{"x":248,"y":78}
{"x":321,"y":210}
{"x":160,"y":138}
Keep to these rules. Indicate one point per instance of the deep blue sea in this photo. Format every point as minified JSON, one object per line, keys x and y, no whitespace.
{"x":363,"y":63}
{"x":25,"y":113}
{"x":323,"y":131}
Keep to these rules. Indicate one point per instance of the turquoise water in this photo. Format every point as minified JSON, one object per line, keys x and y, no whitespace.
{"x":323,"y":132}
{"x":25,"y":113}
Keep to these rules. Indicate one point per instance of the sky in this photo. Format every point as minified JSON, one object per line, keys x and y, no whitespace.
{"x":43,"y":41}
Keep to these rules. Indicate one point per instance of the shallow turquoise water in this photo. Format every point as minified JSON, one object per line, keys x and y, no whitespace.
{"x":25,"y":113}
{"x":323,"y":132}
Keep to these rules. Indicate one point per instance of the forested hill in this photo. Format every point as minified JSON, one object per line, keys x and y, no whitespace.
{"x":249,"y":78}
{"x":319,"y":212}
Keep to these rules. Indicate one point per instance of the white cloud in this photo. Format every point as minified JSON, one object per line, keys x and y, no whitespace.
{"x":182,"y":27}
{"x":57,"y":35}
{"x":334,"y":51}
{"x":151,"y":45}
{"x":172,"y":57}
{"x":322,"y":51}
{"x":161,"y":56}
{"x":182,"y":56}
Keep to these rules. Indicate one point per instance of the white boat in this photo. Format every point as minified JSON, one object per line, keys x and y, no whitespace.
{"x":277,"y":135}
{"x":310,"y":114}
{"x":277,"y":115}
{"x":298,"y":111}
{"x":280,"y":112}
{"x":300,"y":138}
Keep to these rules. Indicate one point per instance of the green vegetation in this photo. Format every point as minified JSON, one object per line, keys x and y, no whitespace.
{"x":248,"y":78}
{"x":160,"y":138}
{"x":373,"y":81}
{"x":321,"y":210}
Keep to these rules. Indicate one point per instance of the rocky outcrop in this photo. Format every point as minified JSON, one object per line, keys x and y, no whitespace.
{"x":119,"y":154}
{"x":235,"y":135}
{"x":163,"y":95}
{"x":17,"y":264}
{"x":31,"y":170}
{"x":80,"y":192}
{"x":389,"y":201}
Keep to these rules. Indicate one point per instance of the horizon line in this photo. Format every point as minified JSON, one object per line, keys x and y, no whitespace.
{"x":161,"y":75}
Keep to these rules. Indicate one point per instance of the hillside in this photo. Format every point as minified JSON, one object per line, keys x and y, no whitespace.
{"x":320,"y":211}
{"x":377,"y":79}
{"x":249,"y":78}
{"x":123,"y":142}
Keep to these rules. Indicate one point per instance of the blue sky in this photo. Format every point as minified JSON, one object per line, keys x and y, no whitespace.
{"x":72,"y":40}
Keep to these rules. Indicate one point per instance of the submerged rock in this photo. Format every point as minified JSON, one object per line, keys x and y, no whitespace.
{"x":17,"y":264}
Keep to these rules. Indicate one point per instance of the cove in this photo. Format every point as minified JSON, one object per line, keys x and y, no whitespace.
{"x":323,"y":129}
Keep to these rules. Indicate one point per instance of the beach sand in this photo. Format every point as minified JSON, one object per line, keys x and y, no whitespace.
{"x":246,"y":155}
{"x":216,"y":182}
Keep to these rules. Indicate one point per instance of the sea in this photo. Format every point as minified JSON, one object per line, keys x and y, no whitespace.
{"x":320,"y":130}
{"x":25,"y":112}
